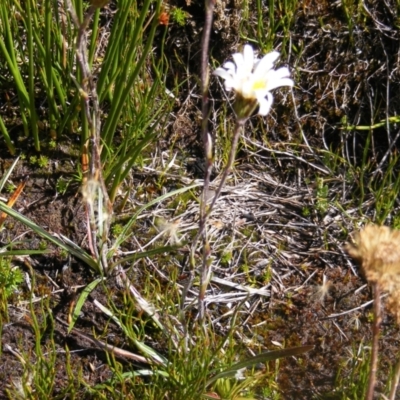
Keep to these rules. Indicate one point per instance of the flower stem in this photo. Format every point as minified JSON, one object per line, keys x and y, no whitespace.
{"x":232,"y":154}
{"x":205,"y":213}
{"x":208,"y":151}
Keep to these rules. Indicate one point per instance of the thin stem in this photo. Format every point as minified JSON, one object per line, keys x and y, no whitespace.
{"x":232,"y":154}
{"x":206,"y":263}
{"x":238,"y":128}
{"x":375,"y":342}
{"x":92,"y":114}
{"x":207,"y":141}
{"x":205,"y":76}
{"x":208,"y":150}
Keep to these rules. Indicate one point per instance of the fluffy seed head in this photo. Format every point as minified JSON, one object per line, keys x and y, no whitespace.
{"x":377,"y":249}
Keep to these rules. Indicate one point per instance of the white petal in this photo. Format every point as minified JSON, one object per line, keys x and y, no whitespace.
{"x":265,"y":104}
{"x":246,"y":89}
{"x":283,"y":72}
{"x":285,"y":82}
{"x":276,"y":80}
{"x":266,"y":63}
{"x":248,"y":57}
{"x":222,"y":73}
{"x":239,"y":60}
{"x":230,"y":66}
{"x":229,"y":85}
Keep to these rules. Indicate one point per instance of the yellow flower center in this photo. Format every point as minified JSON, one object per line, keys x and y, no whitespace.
{"x":260,"y":84}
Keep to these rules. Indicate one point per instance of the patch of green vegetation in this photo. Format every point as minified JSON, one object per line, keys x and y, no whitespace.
{"x":352,"y":377}
{"x":10,"y":187}
{"x":43,"y":245}
{"x":10,"y":278}
{"x":226,"y":257}
{"x":39,"y":372}
{"x":179,"y":16}
{"x":63,"y":254}
{"x":62,"y":185}
{"x":385,"y":190}
{"x":42,"y":161}
{"x":306,"y":211}
{"x":267,"y":275}
{"x":396,"y":221}
{"x":116,"y":229}
{"x":322,"y":191}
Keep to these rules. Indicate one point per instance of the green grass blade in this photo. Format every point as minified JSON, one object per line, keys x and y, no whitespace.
{"x":75,"y":251}
{"x":11,"y":253}
{"x":8,"y":173}
{"x":112,"y":58}
{"x":48,"y":63}
{"x":261,"y":358}
{"x":124,"y":234}
{"x":127,"y":79}
{"x":147,"y":351}
{"x":81,"y":301}
{"x":31,"y":77}
{"x":93,"y":39}
{"x":22,"y":92}
{"x":6,"y":137}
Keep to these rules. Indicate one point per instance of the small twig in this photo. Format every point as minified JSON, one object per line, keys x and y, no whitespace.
{"x":366,"y":304}
{"x":322,"y":169}
{"x":106,"y":347}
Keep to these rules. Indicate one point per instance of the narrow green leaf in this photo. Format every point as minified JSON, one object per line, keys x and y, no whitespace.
{"x":260,"y":358}
{"x":81,"y":301}
{"x":75,"y":251}
{"x":10,"y":253}
{"x":31,"y":75}
{"x":6,"y":137}
{"x":7,"y":174}
{"x":147,"y":351}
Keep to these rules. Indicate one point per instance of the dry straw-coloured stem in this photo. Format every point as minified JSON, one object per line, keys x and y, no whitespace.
{"x":207,"y":142}
{"x":375,"y":343}
{"x":92,"y":113}
{"x":206,"y":272}
{"x":377,"y":248}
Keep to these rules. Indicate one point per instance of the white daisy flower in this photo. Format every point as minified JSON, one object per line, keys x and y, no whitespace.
{"x":253,"y":79}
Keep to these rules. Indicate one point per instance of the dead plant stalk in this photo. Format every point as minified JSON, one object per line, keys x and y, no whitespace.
{"x":92,"y":112}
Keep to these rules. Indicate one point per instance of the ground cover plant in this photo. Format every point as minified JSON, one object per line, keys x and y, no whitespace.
{"x":119,"y":278}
